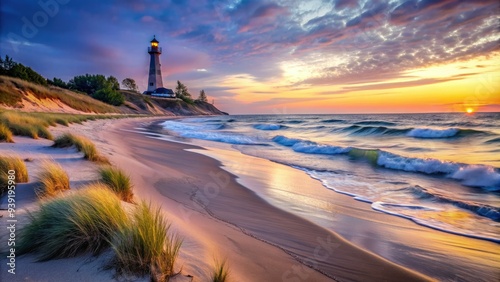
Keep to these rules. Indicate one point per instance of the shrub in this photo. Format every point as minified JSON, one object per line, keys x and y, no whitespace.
{"x":146,"y":246}
{"x":82,"y":222}
{"x":118,"y":182}
{"x":53,"y":180}
{"x":12,"y":163}
{"x":109,"y":96}
{"x":5,"y":134}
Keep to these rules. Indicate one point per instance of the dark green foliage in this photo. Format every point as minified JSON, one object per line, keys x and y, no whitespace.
{"x":10,"y":68}
{"x":88,"y":83}
{"x":110,"y":96}
{"x":113,"y":82}
{"x":58,"y":82}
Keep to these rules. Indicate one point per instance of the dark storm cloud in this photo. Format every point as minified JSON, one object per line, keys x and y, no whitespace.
{"x":375,"y":39}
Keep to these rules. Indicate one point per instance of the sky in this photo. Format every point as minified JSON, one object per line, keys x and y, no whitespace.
{"x":275,"y":57}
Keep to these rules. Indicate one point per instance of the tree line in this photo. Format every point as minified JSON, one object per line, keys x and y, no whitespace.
{"x":98,"y":86}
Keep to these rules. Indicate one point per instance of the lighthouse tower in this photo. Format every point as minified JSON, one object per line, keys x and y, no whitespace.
{"x":155,"y":80}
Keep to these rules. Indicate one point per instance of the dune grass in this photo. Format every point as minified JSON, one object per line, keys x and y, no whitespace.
{"x":12,"y":90}
{"x":81,"y":222}
{"x":35,"y":125}
{"x":25,"y":124}
{"x":82,"y":144}
{"x":220,"y":272}
{"x":53,"y":180}
{"x":118,"y":181}
{"x":12,"y":163}
{"x":146,"y":246}
{"x":5,"y":134}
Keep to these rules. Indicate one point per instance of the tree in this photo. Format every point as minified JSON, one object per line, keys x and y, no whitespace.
{"x":57,"y":82}
{"x":203,"y":96}
{"x":182,"y":92}
{"x":10,"y":68}
{"x":88,"y":83}
{"x":113,"y":82}
{"x":130,"y":84}
{"x":6,"y":65}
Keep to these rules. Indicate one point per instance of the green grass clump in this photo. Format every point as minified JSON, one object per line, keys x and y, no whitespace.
{"x":53,"y":180}
{"x":82,"y":144}
{"x":220,"y":272}
{"x":5,"y":134}
{"x":146,"y":246}
{"x":118,"y":182}
{"x":81,"y":222}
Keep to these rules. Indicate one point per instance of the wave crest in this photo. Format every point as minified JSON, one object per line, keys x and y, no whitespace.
{"x":269,"y":126}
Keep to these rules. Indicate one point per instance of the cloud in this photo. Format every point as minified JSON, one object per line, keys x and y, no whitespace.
{"x":346,"y":41}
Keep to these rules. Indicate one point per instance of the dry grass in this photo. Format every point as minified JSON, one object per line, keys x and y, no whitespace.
{"x":53,"y":180}
{"x":5,"y":134}
{"x":118,"y":181}
{"x":81,"y":222}
{"x":12,"y":163}
{"x":25,"y":124}
{"x":13,"y":89}
{"x":146,"y":246}
{"x":82,"y":144}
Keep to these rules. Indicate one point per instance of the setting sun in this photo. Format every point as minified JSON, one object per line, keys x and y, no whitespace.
{"x":470,"y":110}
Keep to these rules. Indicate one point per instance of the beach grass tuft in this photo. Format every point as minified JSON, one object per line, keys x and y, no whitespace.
{"x":53,"y":180}
{"x":220,"y":272}
{"x":82,"y":144}
{"x":81,"y":222}
{"x":146,"y":246}
{"x":16,"y":164}
{"x":118,"y":181}
{"x":5,"y":134}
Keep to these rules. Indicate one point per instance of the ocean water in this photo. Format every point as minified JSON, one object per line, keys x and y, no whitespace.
{"x":439,"y":170}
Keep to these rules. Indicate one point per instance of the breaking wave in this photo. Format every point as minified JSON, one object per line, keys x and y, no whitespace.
{"x":483,"y":176}
{"x":269,"y":126}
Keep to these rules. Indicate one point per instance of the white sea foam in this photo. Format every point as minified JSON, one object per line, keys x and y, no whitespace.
{"x":183,"y":127}
{"x":315,"y":148}
{"x":222,"y":137}
{"x":429,"y":166}
{"x":470,"y":175}
{"x":432,"y":133}
{"x":478,"y":175}
{"x":207,"y":132}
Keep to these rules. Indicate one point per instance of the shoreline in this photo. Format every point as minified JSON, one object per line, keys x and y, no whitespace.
{"x":221,"y":214}
{"x":397,"y":239}
{"x":240,"y":206}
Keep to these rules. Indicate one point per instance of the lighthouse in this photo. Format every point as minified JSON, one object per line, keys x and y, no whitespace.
{"x":155,"y":80}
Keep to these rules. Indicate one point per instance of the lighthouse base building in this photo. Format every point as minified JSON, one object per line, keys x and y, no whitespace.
{"x":155,"y":82}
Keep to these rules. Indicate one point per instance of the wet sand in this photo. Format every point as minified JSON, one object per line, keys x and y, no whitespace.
{"x":216,"y":213}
